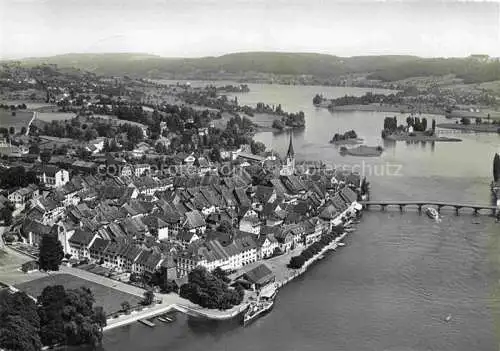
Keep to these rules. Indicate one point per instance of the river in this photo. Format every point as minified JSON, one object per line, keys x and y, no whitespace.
{"x":399,"y":275}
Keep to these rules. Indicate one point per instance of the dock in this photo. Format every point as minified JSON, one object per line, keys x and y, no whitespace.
{"x":147,"y":322}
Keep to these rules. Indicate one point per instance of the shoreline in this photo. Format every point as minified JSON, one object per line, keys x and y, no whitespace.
{"x":386,"y":108}
{"x":478,"y":128}
{"x":209,"y":314}
{"x":421,"y":138}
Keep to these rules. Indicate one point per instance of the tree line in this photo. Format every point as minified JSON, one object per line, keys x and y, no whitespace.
{"x":58,"y":317}
{"x":211,"y":291}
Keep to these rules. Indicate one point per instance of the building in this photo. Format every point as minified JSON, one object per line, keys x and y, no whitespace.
{"x":21,"y":196}
{"x":52,"y":176}
{"x":289,"y":167}
{"x":259,"y":277}
{"x":80,"y":243}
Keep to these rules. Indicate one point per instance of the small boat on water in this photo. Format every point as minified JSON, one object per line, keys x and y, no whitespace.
{"x":147,"y":322}
{"x":341,"y":244}
{"x":448,"y":318}
{"x":165,"y":319}
{"x":432,"y":213}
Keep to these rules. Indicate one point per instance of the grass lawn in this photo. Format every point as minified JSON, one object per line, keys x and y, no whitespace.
{"x":21,"y":119}
{"x":110,"y":299}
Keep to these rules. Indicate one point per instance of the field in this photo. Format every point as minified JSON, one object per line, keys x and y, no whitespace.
{"x":21,"y":119}
{"x":55,"y":116}
{"x":110,"y":299}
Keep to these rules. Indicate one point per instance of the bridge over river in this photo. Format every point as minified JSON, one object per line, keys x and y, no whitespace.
{"x":457,"y":206}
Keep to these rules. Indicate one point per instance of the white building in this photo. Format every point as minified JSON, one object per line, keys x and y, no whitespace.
{"x":52,"y":176}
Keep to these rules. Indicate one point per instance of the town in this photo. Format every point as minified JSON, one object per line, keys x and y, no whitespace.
{"x":136,"y":190}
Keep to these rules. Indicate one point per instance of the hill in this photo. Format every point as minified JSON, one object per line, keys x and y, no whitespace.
{"x":386,"y":68}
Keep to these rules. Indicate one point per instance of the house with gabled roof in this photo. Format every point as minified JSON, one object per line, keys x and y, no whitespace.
{"x":266,"y":244}
{"x":98,"y":248}
{"x":195,"y":222}
{"x":80,"y":242}
{"x":23,"y":195}
{"x":156,"y":226}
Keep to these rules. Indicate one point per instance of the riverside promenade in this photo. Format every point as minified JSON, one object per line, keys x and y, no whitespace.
{"x":173,"y":302}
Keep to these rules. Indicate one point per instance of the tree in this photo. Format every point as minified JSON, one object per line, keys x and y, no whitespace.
{"x":297,"y":262}
{"x":34,"y":149}
{"x":205,"y":289}
{"x":433,"y":125}
{"x":317,"y":99}
{"x":215,"y":154}
{"x":69,"y":317}
{"x":148,"y":297}
{"x":125,"y":307}
{"x":45,"y":156}
{"x":221,"y":274}
{"x":278,"y":124}
{"x":12,"y":130}
{"x":496,"y":167}
{"x":6,"y":214}
{"x":19,"y":322}
{"x":99,"y":317}
{"x":23,"y":130}
{"x":257,"y":147}
{"x":465,"y":121}
{"x":51,"y":253}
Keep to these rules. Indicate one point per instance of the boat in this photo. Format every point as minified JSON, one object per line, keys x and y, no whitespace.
{"x":341,"y":244}
{"x":165,"y":319}
{"x":263,"y":304}
{"x":256,"y":310}
{"x":432,"y":213}
{"x":147,"y":322}
{"x":448,"y":318}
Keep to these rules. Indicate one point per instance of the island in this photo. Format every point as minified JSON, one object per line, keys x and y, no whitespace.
{"x":480,"y":125}
{"x":415,"y":130}
{"x":349,"y":137}
{"x":362,"y":150}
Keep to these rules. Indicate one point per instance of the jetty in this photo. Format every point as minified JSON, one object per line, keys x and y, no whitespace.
{"x":457,"y":206}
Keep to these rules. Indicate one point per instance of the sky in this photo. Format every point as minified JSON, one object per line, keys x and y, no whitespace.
{"x":195,"y":28}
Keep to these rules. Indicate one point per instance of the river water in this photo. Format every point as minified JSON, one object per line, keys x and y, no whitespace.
{"x":399,"y":275}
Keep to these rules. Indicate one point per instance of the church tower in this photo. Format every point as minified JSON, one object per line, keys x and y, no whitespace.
{"x":289,"y":166}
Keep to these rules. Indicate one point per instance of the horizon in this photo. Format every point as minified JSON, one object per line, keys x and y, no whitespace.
{"x":212,"y":28}
{"x":233,"y":53}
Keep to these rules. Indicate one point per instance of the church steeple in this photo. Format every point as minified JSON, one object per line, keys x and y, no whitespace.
{"x":290,"y":154}
{"x":288,"y":168}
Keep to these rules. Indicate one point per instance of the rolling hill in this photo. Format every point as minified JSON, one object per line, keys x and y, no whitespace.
{"x":386,"y":68}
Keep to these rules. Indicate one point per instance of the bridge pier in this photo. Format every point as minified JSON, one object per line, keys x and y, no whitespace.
{"x":476,"y":211}
{"x":420,"y":209}
{"x":401,"y":208}
{"x":439,"y":209}
{"x":457,"y":210}
{"x":383,"y":207}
